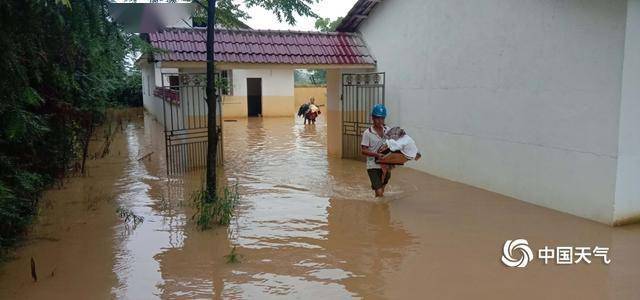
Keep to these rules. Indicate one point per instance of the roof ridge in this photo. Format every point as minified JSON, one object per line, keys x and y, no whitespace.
{"x":328,"y":33}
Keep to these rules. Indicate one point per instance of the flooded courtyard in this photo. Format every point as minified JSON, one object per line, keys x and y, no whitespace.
{"x":307,"y":226}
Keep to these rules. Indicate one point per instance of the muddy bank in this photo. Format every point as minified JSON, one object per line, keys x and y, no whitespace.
{"x":72,"y":239}
{"x":307,"y":226}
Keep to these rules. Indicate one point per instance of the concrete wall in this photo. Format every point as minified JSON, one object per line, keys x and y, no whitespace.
{"x":234,"y":106}
{"x":517,"y":97}
{"x":189,"y":112}
{"x":149,"y":101}
{"x":152,"y":78}
{"x":333,"y":113}
{"x":627,"y":203}
{"x":277,"y":93}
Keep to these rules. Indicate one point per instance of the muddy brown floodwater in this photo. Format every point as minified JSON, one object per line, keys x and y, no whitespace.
{"x":307,"y":226}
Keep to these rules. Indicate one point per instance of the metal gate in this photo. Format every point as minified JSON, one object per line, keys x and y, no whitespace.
{"x":185,"y":121}
{"x":360,"y":92}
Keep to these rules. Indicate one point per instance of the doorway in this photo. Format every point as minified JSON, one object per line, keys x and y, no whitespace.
{"x":254,"y":97}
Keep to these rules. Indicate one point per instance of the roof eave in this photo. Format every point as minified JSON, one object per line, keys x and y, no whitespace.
{"x":240,"y":65}
{"x":356,"y":15}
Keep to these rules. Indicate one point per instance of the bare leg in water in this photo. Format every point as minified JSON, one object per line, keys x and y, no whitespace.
{"x":385,"y":169}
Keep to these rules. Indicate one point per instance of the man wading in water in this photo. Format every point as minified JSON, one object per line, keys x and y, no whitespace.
{"x":372,"y":140}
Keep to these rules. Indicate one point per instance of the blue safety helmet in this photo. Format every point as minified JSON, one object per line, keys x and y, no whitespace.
{"x":379,"y":111}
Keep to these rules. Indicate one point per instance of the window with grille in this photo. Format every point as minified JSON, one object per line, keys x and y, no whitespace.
{"x":174,"y":82}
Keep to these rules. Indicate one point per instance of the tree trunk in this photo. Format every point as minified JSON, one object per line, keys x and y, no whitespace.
{"x":211,"y":103}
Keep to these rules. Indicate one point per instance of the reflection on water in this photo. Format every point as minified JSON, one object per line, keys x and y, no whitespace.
{"x":307,"y":227}
{"x":294,"y":239}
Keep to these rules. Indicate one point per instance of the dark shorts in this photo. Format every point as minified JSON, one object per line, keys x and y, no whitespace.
{"x":375,"y":175}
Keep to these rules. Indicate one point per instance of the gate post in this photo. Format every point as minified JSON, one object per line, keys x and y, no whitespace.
{"x":334,"y":113}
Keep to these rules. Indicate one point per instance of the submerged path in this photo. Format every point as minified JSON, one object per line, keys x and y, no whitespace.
{"x":307,"y":227}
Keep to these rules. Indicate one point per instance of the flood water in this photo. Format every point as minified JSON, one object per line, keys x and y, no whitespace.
{"x":307,"y":226}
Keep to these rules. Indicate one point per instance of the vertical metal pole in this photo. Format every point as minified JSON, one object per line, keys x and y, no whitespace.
{"x":357,"y":111}
{"x":384,"y":83}
{"x":343,"y":89}
{"x":367,"y":106}
{"x":221,"y":139}
{"x":190,"y":109}
{"x":164,"y":124}
{"x":199,"y":103}
{"x":352,"y":116}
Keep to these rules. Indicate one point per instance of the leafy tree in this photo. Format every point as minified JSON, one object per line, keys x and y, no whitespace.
{"x":62,"y":65}
{"x":230,"y":13}
{"x":327,"y":25}
{"x":310,"y":77}
{"x":300,"y":77}
{"x":318,"y":77}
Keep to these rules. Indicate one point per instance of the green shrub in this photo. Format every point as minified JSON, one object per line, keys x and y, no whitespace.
{"x":214,"y":209}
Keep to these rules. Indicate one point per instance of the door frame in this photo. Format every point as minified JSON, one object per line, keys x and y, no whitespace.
{"x":259,"y":104}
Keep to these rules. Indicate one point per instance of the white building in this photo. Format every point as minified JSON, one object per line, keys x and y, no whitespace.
{"x":535,"y":99}
{"x":258,"y":64}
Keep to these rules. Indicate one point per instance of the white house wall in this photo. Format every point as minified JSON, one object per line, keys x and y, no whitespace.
{"x":517,"y":97}
{"x":274,"y":82}
{"x":627,"y":204}
{"x":277,"y":92}
{"x":151,"y":103}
